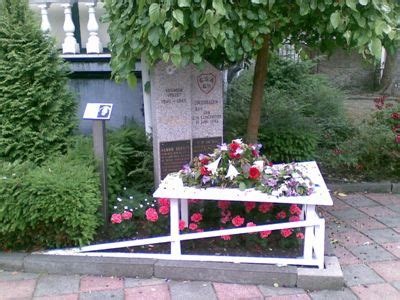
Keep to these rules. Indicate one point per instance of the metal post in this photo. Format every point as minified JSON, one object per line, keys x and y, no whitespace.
{"x":99,"y":144}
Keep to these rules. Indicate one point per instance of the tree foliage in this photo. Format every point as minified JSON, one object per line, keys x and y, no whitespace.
{"x":36,"y":109}
{"x":226,"y":31}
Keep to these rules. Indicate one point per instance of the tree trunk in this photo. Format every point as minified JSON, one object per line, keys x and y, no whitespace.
{"x":390,"y":67}
{"x":260,"y":74}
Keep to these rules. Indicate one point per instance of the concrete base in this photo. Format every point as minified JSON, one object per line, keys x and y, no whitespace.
{"x":286,"y":276}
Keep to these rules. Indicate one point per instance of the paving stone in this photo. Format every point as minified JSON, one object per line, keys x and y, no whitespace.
{"x":331,"y":277}
{"x":48,"y":285}
{"x":21,"y":289}
{"x":360,"y":274}
{"x":397,"y":229}
{"x":395,"y":208}
{"x":226,"y":272}
{"x":105,"y":266}
{"x":391,"y":221}
{"x":382,"y":236}
{"x":376,"y":291}
{"x":12,"y":261}
{"x":384,"y":199}
{"x":193,"y":290}
{"x":370,"y":187}
{"x":345,"y":294}
{"x":103,"y":295}
{"x":378,"y":211}
{"x":396,"y":188}
{"x":358,"y":200}
{"x":348,"y":214}
{"x":338,"y":204}
{"x":393,"y":248}
{"x":279,"y":291}
{"x":345,"y":256}
{"x":352,"y":238}
{"x":290,"y":297}
{"x":371,"y":253}
{"x":97,"y":283}
{"x":134,"y":282}
{"x":396,"y":284}
{"x":389,"y":270}
{"x":6,"y":276}
{"x":61,"y":297}
{"x":365,"y":224}
{"x":151,"y":292}
{"x":227,"y":291}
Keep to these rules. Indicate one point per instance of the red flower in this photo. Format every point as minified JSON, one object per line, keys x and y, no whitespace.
{"x":249,"y":206}
{"x":265,"y":207}
{"x":224,"y":204}
{"x":233,"y":146}
{"x":397,"y":139}
{"x":163,"y":202}
{"x":281,"y":215}
{"x":182,"y":225}
{"x":254,"y":173}
{"x":237,"y":221}
{"x":300,"y":235}
{"x":265,"y":234}
{"x":225,"y":237}
{"x":294,"y":219}
{"x":204,"y":171}
{"x":193,"y":201}
{"x":151,"y":215}
{"x":395,"y":116}
{"x":226,"y":216}
{"x":116,"y":218}
{"x":255,"y":153}
{"x":193,"y":226}
{"x":286,"y":232}
{"x":251,"y":224}
{"x":205,"y":161}
{"x":126,"y":215}
{"x":196,"y":217}
{"x":295,"y":210}
{"x":396,"y":128}
{"x":164,"y":210}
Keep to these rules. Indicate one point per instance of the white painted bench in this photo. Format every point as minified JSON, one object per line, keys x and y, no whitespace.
{"x":313,"y":254}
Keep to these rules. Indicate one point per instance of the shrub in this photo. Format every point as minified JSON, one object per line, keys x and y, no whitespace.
{"x":301,"y":112}
{"x":52,"y":205}
{"x":36,"y":109}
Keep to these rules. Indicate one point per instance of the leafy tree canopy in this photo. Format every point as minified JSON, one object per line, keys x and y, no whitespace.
{"x":227,"y":31}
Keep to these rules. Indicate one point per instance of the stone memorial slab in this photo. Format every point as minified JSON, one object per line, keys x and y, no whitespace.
{"x":187,"y":114}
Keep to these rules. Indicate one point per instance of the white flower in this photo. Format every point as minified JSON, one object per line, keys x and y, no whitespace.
{"x":239,"y":151}
{"x":223,"y":147}
{"x":145,"y":200}
{"x":125,"y":207}
{"x":119,"y":199}
{"x":238,"y":141}
{"x":131,"y":197}
{"x":141,"y":205}
{"x":212,"y":167}
{"x":152,"y":205}
{"x":259,"y":164}
{"x":232,"y":172}
{"x":275,"y":193}
{"x":124,"y":188}
{"x":115,"y":207}
{"x":268,"y":170}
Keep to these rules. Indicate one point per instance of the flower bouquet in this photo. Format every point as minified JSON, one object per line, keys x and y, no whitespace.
{"x":240,"y":165}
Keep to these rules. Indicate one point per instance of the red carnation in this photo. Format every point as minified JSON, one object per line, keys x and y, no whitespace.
{"x":295,"y":210}
{"x":151,"y":215}
{"x":196,"y":217}
{"x":281,"y":215}
{"x":164,"y":210}
{"x":265,"y":234}
{"x":237,"y":221}
{"x":397,"y":139}
{"x":234,"y":147}
{"x":286,"y":232}
{"x":265,"y":207}
{"x":163,"y":202}
{"x":204,"y":171}
{"x":116,"y":218}
{"x":193,"y":226}
{"x":182,"y":225}
{"x":395,"y":116}
{"x":254,"y":173}
{"x":126,"y":215}
{"x":249,"y":206}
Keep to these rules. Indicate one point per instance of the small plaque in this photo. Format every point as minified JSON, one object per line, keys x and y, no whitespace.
{"x":98,"y":111}
{"x":173,"y":155}
{"x":205,"y":145}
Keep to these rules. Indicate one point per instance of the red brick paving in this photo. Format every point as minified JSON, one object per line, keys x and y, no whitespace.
{"x":97,"y":283}
{"x":61,"y":297}
{"x":345,"y":256}
{"x":394,"y":248}
{"x":352,"y":238}
{"x":389,"y":270}
{"x":289,"y":297}
{"x":226,"y":291}
{"x":384,"y":199}
{"x":150,"y":292}
{"x":378,"y":211}
{"x":366,"y":224}
{"x":376,"y":291}
{"x":21,"y":289}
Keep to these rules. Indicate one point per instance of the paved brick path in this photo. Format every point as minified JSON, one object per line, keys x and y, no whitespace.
{"x":364,"y":230}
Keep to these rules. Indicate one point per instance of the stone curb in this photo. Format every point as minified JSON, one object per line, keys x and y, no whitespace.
{"x":287,"y":276}
{"x":370,"y":187}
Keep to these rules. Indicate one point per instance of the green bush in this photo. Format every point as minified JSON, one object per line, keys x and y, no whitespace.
{"x":52,"y":205}
{"x":36,"y":109}
{"x":300,"y":114}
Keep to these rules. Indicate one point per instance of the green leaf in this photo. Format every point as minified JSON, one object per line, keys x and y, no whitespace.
{"x":352,"y":4}
{"x":167,"y":27}
{"x":154,"y":36}
{"x":363,"y":2}
{"x":184,"y":3}
{"x":178,"y":16}
{"x":242,"y":186}
{"x":375,"y":47}
{"x":335,"y":19}
{"x":271,"y":3}
{"x":218,"y":5}
{"x":154,"y":12}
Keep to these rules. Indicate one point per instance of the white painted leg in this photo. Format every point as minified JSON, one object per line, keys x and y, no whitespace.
{"x":174,"y":228}
{"x":309,"y":233}
{"x":185,"y":211}
{"x":319,"y":246}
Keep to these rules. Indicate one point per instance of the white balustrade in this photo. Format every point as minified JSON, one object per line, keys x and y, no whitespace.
{"x":93,"y":45}
{"x":45,"y":24}
{"x":70,"y":45}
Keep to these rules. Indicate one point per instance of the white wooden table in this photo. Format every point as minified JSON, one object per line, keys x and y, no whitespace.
{"x":172,"y":188}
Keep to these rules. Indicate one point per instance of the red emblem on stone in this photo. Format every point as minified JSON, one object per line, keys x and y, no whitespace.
{"x":206,"y":82}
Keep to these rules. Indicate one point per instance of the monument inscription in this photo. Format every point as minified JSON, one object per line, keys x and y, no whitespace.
{"x":173,"y":155}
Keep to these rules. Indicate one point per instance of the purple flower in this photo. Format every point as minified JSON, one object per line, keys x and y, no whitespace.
{"x":205,"y":179}
{"x":202,"y":156}
{"x":186,"y":169}
{"x":223,"y":147}
{"x":271,"y":182}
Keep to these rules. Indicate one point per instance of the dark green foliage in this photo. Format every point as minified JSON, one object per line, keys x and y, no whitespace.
{"x":36,"y":109}
{"x":301,"y":112}
{"x":52,"y":205}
